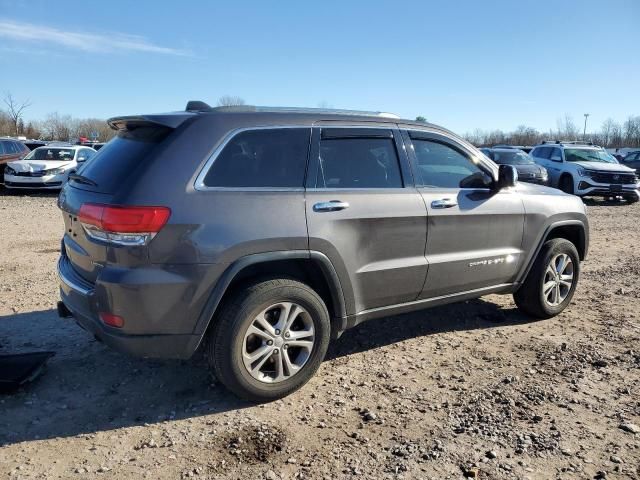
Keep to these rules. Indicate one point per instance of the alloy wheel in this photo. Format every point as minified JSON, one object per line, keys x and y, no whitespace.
{"x":558,"y":279}
{"x":278,"y":342}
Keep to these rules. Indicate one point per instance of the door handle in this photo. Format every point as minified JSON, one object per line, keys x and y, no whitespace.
{"x":332,"y":206}
{"x":444,"y":203}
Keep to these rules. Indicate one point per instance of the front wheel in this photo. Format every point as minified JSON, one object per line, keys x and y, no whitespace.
{"x":552,"y":281}
{"x":269,"y":339}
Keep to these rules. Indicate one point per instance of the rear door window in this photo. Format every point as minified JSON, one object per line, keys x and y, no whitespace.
{"x":353,"y":160}
{"x":262,"y":158}
{"x":542,"y":152}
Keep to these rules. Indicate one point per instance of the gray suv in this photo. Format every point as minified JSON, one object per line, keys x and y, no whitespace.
{"x":262,"y":233}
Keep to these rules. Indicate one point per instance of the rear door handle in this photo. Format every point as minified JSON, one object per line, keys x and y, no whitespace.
{"x":444,"y":203}
{"x":332,"y":206}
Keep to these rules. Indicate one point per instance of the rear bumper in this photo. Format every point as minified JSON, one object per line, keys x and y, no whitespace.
{"x":81,"y":300}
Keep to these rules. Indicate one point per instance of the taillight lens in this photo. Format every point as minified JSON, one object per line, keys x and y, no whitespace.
{"x":123,"y":225}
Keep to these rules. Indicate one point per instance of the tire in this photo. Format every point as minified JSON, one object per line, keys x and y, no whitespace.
{"x":231,"y":342}
{"x":531,"y":298}
{"x":631,"y":198}
{"x":566,"y":184}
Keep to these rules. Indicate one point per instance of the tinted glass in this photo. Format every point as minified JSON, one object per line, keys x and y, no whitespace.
{"x":111,"y":166}
{"x":10,"y":147}
{"x":359,"y":163}
{"x":262,"y":158}
{"x":440,"y":165}
{"x":542,"y":152}
{"x":2,"y":149}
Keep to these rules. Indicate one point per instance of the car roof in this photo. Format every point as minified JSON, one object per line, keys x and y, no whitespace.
{"x":66,"y":147}
{"x":268,"y":115}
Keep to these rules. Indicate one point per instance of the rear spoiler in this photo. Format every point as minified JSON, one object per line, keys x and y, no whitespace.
{"x":167,"y":120}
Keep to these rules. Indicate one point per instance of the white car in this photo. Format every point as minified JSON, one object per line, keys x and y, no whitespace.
{"x":586,"y":170}
{"x":46,"y":167}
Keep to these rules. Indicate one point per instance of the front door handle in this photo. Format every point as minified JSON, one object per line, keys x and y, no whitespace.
{"x":332,"y":206}
{"x":444,"y":203}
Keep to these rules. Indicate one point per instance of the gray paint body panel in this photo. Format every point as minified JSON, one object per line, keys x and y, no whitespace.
{"x":387,"y":253}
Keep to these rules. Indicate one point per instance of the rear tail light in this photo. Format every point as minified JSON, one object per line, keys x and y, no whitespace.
{"x":122,"y":225}
{"x":112,"y":320}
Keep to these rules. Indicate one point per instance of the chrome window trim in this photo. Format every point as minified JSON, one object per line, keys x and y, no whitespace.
{"x":199,"y":184}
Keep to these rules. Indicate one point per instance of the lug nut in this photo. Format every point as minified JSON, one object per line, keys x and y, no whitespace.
{"x":285,"y":347}
{"x":270,"y":342}
{"x":276,"y":351}
{"x":287,"y":334}
{"x":277,"y":332}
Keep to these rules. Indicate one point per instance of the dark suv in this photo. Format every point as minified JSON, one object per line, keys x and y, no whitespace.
{"x":262,"y":233}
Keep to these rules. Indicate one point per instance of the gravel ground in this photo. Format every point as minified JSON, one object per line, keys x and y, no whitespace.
{"x":472,"y":390}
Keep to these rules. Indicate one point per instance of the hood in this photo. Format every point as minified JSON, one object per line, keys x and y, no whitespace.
{"x":604,"y":167}
{"x":39,"y":165}
{"x":529,"y":169}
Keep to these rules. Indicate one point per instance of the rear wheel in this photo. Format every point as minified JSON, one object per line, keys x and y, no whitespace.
{"x":269,"y":339}
{"x":552,"y":281}
{"x":566,"y":184}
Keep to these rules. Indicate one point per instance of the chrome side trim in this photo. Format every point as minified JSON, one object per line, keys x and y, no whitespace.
{"x":69,"y":282}
{"x":199,"y":182}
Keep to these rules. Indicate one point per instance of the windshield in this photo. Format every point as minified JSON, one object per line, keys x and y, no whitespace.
{"x":51,"y":154}
{"x":588,"y":155}
{"x":515,"y":157}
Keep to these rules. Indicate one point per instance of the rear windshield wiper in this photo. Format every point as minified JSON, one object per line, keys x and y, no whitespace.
{"x":82,"y":179}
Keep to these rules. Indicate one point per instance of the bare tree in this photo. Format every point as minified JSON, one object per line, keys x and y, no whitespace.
{"x":15,"y":110}
{"x":420,"y":118}
{"x":230,"y":101}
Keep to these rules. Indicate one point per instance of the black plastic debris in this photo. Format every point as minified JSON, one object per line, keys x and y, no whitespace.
{"x":20,"y":368}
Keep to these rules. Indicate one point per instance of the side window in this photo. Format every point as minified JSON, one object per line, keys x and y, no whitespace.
{"x":440,"y":165}
{"x":556,"y":154}
{"x":544,"y":152}
{"x":2,"y":149}
{"x":358,"y":163}
{"x":10,"y":148}
{"x":262,"y":158}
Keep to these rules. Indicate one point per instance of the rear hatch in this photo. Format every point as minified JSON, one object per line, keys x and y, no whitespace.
{"x":102,"y":181}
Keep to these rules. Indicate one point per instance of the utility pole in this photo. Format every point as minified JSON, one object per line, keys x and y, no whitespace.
{"x":584,"y":133}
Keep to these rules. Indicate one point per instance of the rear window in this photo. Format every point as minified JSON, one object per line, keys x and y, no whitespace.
{"x":113,"y":164}
{"x":266,"y":158}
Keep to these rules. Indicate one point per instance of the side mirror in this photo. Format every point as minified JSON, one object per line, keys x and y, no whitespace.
{"x":81,"y":159}
{"x":507,"y":177}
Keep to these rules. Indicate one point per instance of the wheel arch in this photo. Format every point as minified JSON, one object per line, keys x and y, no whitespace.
{"x":573,"y":230}
{"x":312,"y":268}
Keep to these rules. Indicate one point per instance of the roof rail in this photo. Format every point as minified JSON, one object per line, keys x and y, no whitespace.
{"x":566,"y":142}
{"x":198,"y":106}
{"x":545,"y":142}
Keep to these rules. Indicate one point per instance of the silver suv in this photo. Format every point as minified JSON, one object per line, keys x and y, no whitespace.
{"x":586,"y":170}
{"x":263,"y":233}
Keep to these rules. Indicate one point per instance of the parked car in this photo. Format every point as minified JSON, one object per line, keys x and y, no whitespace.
{"x":528,"y":170}
{"x":11,"y":150}
{"x":46,"y":167}
{"x":586,"y":170}
{"x":268,"y":232}
{"x":632,"y":160}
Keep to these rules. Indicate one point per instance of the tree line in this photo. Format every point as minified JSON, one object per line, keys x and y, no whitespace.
{"x":611,"y":134}
{"x":55,"y":126}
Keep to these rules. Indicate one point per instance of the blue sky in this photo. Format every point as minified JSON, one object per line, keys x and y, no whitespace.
{"x":462,"y":64}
